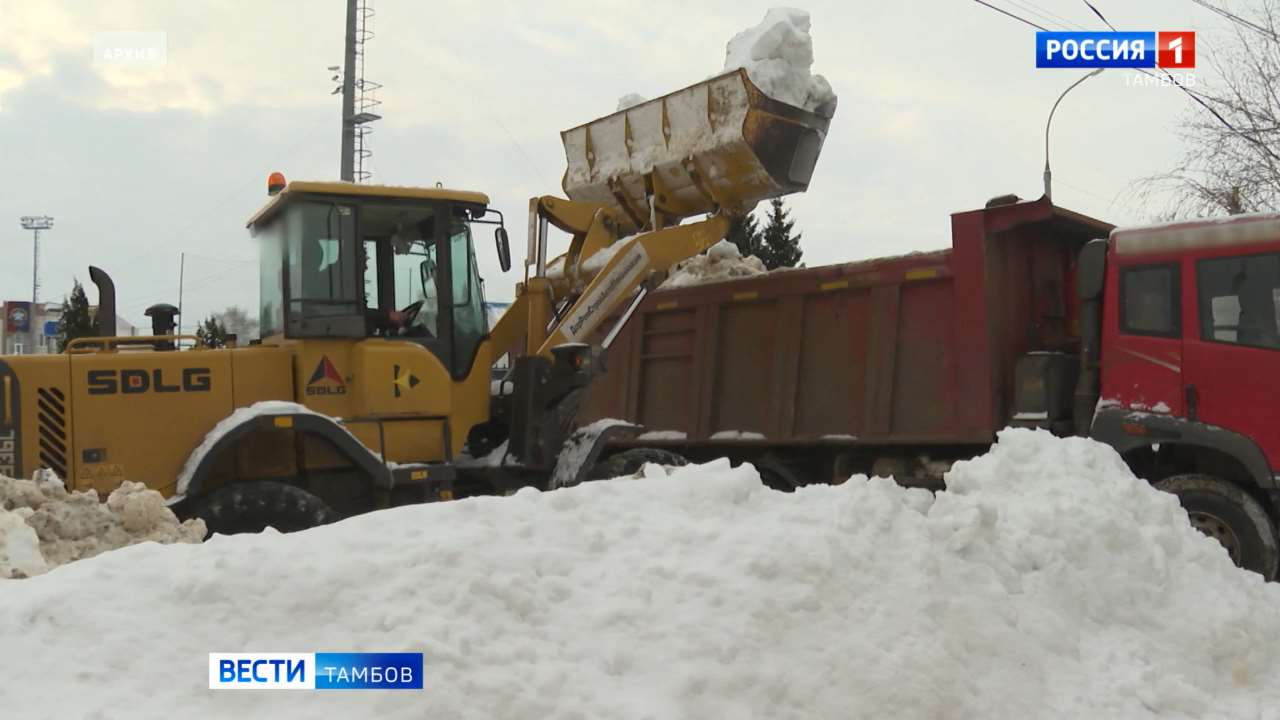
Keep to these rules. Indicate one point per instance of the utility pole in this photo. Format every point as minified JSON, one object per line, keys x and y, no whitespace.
{"x":34,"y":223}
{"x":182,"y":271}
{"x":349,"y":97}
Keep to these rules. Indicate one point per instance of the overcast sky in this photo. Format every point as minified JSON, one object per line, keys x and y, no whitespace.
{"x":941,"y":108}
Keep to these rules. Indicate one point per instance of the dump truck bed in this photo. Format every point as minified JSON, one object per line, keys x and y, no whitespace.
{"x":912,"y":349}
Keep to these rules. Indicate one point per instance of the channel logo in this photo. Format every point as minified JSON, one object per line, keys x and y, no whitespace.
{"x":1170,"y":50}
{"x":315,"y":671}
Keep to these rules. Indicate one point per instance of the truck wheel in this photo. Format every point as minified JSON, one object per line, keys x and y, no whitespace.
{"x":1228,"y":514}
{"x":629,"y":462}
{"x":252,"y":507}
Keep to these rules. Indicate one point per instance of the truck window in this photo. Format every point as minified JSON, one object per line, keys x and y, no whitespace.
{"x":1240,"y":300}
{"x":1149,"y":300}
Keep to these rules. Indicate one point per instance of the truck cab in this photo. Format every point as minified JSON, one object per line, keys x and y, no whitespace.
{"x":1190,"y":347}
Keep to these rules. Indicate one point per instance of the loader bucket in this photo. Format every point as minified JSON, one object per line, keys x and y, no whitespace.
{"x":720,"y":143}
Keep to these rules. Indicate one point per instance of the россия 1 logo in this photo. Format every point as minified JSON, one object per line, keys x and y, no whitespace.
{"x":1171,"y":50}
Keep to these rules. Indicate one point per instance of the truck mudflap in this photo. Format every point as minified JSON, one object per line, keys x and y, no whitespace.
{"x":1125,"y":430}
{"x":583,"y":447}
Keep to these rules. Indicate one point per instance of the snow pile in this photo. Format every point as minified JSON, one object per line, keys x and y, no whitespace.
{"x":630,"y":100}
{"x":777,"y":55}
{"x":43,"y":526}
{"x":721,"y":261}
{"x":1047,"y":582}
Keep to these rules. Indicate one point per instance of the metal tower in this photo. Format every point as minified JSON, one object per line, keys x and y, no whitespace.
{"x":359,"y":96}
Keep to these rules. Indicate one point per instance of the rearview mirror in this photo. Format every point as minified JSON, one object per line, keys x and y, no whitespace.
{"x":504,"y":248}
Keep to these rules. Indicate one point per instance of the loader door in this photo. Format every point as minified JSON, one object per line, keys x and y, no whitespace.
{"x":1233,"y":349}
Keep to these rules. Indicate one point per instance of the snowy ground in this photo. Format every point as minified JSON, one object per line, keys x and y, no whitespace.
{"x":1045,"y":583}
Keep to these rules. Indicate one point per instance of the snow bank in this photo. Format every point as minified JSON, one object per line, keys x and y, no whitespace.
{"x":43,"y":526}
{"x":721,"y":261}
{"x":777,"y":54}
{"x":1046,"y":582}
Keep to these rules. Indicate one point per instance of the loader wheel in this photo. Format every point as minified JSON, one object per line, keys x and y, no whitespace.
{"x":629,"y":462}
{"x":252,"y":507}
{"x":1228,"y":514}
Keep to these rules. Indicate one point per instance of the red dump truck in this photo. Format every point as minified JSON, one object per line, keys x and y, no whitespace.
{"x":1161,"y":342}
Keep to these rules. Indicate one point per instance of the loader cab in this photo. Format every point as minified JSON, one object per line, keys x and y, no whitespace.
{"x":345,"y":261}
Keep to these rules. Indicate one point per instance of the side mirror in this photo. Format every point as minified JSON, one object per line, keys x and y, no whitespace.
{"x":504,"y":248}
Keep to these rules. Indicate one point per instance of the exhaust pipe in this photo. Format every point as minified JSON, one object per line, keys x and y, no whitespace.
{"x":106,"y":301}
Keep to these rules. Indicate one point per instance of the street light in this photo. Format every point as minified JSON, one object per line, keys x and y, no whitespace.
{"x":35,"y":223}
{"x":1048,"y":175}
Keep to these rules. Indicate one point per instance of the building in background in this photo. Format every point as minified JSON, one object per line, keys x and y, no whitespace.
{"x":30,"y":328}
{"x":33,"y":329}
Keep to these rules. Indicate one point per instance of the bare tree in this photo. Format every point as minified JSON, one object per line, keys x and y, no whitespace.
{"x":1232,"y":160}
{"x":237,"y":321}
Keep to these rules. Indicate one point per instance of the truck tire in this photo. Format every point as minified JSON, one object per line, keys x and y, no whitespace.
{"x":251,"y":507}
{"x":1225,"y":512}
{"x":629,"y":462}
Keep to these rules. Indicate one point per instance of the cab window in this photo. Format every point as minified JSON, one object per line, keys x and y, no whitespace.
{"x":470,"y":323}
{"x":1149,"y":300}
{"x":321,"y":238}
{"x":1240,"y":300}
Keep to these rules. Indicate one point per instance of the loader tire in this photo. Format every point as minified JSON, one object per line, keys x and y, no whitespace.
{"x":629,"y":462}
{"x":1228,"y":514}
{"x":251,"y":507}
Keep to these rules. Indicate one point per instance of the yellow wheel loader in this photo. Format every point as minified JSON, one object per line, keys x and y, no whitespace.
{"x":371,"y":383}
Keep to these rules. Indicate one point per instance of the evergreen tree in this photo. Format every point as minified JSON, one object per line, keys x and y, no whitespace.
{"x":76,"y":321}
{"x":780,"y":247}
{"x":212,"y":332}
{"x":744,"y":231}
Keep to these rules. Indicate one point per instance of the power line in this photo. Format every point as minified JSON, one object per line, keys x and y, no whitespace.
{"x":1044,"y":14}
{"x":1236,"y":18}
{"x":1101,"y":17}
{"x":1019,"y":18}
{"x":1196,"y":96}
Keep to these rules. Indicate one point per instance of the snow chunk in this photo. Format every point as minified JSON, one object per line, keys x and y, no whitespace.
{"x":19,"y":547}
{"x":663,"y":435}
{"x":777,"y":55}
{"x":737,"y":435}
{"x":73,"y":526}
{"x":630,"y":100}
{"x":721,"y":261}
